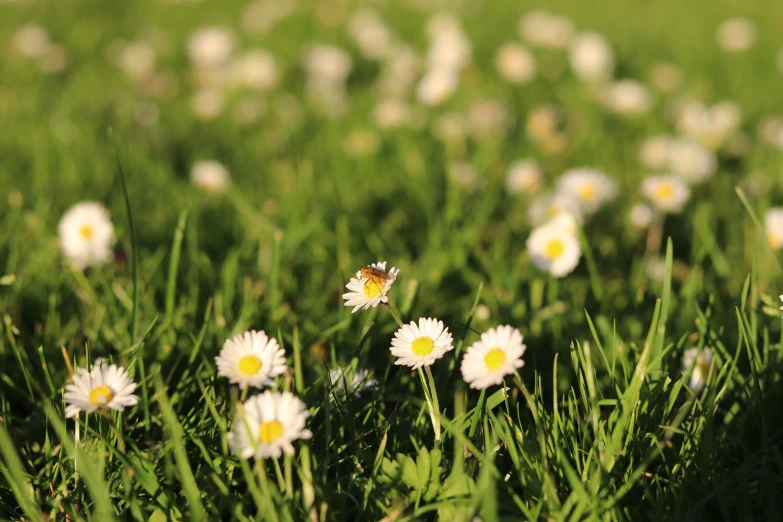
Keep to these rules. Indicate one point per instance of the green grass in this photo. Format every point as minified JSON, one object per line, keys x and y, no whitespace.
{"x":599,"y":424}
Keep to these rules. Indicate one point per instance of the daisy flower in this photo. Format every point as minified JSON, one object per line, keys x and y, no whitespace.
{"x":691,"y":161}
{"x":641,"y":216}
{"x":437,"y":86}
{"x":420,"y":345}
{"x":666,"y":193}
{"x":701,"y":369}
{"x":267,"y":424}
{"x":209,"y":176}
{"x":546,"y":206}
{"x":554,"y":249}
{"x":773,"y":224}
{"x":590,"y":187}
{"x":591,"y":57}
{"x":736,"y":35}
{"x":496,"y":354}
{"x":368,"y":291}
{"x":627,"y":98}
{"x":356,"y":382}
{"x":87,"y":235}
{"x":515,"y":63}
{"x":251,"y":359}
{"x":102,"y":388}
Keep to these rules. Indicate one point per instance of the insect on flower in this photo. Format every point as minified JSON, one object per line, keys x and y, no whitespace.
{"x":375,"y":276}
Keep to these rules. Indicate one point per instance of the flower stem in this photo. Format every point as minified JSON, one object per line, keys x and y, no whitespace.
{"x":435,"y":411}
{"x":117,"y":432}
{"x":394,"y":313}
{"x":431,"y":405}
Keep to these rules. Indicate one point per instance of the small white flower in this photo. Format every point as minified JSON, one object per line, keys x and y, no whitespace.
{"x":327,"y":63}
{"x":523,"y":177}
{"x":565,"y":221}
{"x":736,"y":35}
{"x":138,"y":59}
{"x":641,"y":216}
{"x":267,"y":424}
{"x":691,"y":161}
{"x":591,"y":57}
{"x":701,"y":369}
{"x":773,"y":225}
{"x":554,"y":249}
{"x":666,"y":193}
{"x":487,"y":118}
{"x":101,"y":388}
{"x":515,"y":63}
{"x":251,"y":359}
{"x":254,"y":69}
{"x":437,"y":86}
{"x":87,"y":235}
{"x":369,"y":32}
{"x":656,"y":152}
{"x":357,"y":381}
{"x":210,"y":46}
{"x":31,"y":41}
{"x":449,"y":49}
{"x":209,"y":176}
{"x":391,"y":113}
{"x":366,"y":292}
{"x":421,"y":345}
{"x":543,"y":29}
{"x":496,"y":354}
{"x":462,"y":174}
{"x":627,"y":98}
{"x":589,"y":187}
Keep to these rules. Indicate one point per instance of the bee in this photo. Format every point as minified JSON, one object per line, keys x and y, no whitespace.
{"x":374,"y":277}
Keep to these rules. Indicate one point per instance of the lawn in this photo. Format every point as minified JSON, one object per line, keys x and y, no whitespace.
{"x":610,"y":196}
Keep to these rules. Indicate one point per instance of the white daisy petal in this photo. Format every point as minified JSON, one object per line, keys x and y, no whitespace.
{"x":87,"y":235}
{"x":415,"y":345}
{"x":498,"y":353}
{"x":104,"y":387}
{"x":267,"y":424}
{"x":251,"y":359}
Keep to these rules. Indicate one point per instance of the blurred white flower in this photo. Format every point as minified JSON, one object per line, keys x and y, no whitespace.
{"x":591,"y":57}
{"x":543,"y":29}
{"x":261,"y":15}
{"x":399,"y":70}
{"x":736,"y":35}
{"x":641,"y":216}
{"x":666,"y":193}
{"x":700,"y":360}
{"x":690,"y":161}
{"x":627,"y":97}
{"x":370,"y":34}
{"x":210,"y":46}
{"x":31,"y":41}
{"x":770,"y":131}
{"x":565,"y":221}
{"x":391,"y":113}
{"x":437,"y":86}
{"x":207,"y":103}
{"x":87,"y":235}
{"x":255,"y":69}
{"x":55,"y":60}
{"x":327,"y":62}
{"x":590,"y":188}
{"x":523,"y":177}
{"x":267,"y":424}
{"x":449,"y":50}
{"x":554,"y":249}
{"x":361,"y":143}
{"x":655,"y":152}
{"x":773,"y":225}
{"x":138,"y":59}
{"x":515,"y":63}
{"x":209,"y":176}
{"x":354,"y":383}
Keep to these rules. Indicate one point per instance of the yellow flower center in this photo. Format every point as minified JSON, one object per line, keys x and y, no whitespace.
{"x":101,"y":395}
{"x":372,"y":288}
{"x":494,"y":359}
{"x":249,"y":365}
{"x":664,"y":192}
{"x":422,"y":346}
{"x":269,"y":431}
{"x":586,"y":193}
{"x":554,"y":249}
{"x":86,"y":232}
{"x":774,"y":240}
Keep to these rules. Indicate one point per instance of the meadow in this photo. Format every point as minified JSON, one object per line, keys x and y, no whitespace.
{"x":603,"y":178}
